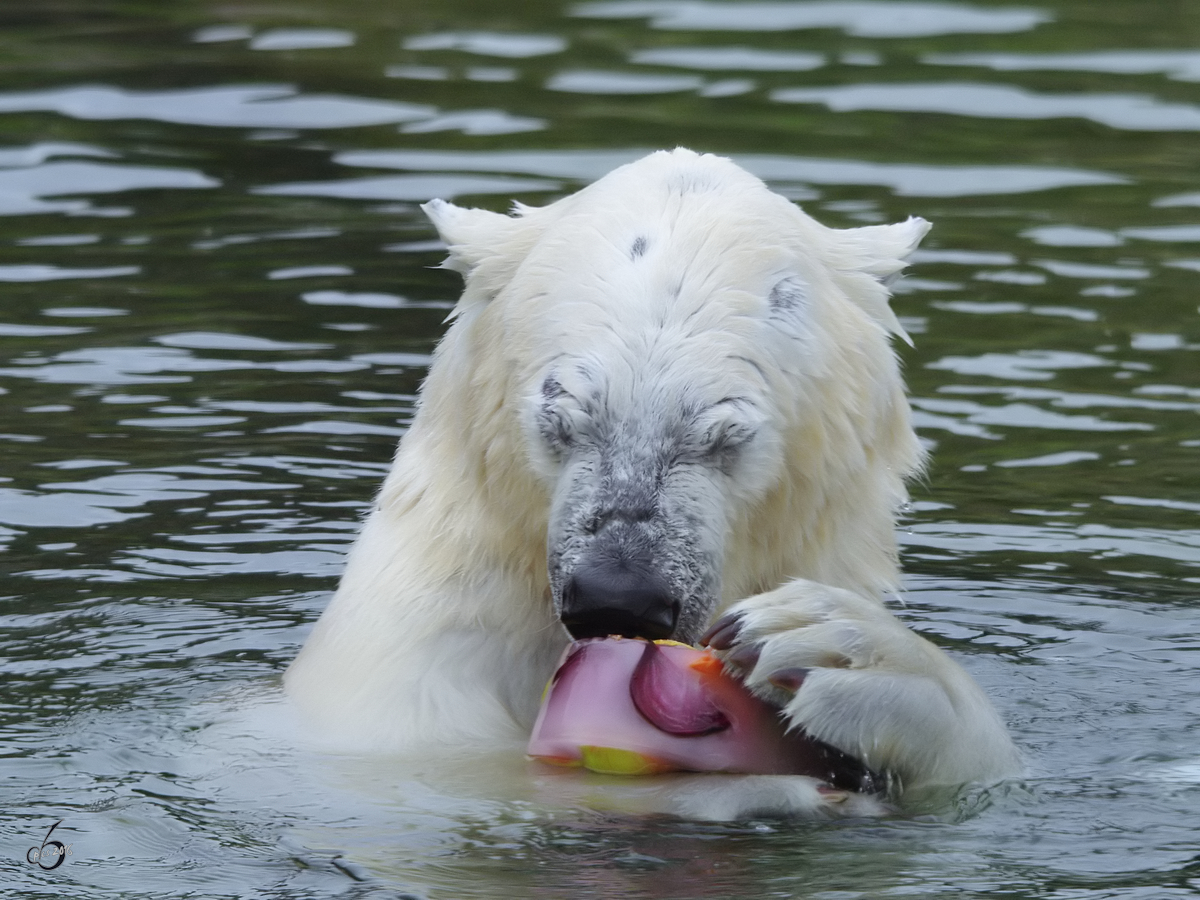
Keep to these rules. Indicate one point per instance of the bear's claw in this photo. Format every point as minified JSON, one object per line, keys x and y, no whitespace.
{"x":723,"y":633}
{"x":745,"y":657}
{"x":788,"y":679}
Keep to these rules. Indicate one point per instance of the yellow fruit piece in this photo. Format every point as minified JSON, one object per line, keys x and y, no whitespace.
{"x":613,"y":761}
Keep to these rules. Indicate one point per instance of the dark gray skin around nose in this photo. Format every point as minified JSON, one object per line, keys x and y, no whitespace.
{"x":615,"y":597}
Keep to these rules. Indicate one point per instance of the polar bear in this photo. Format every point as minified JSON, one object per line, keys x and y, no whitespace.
{"x":667,"y":406}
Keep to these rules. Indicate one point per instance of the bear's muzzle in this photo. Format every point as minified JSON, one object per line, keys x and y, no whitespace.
{"x":615,"y":595}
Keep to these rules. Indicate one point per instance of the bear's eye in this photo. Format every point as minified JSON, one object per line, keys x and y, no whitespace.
{"x":556,"y":416}
{"x":726,"y":428}
{"x":555,"y":428}
{"x":728,"y":438}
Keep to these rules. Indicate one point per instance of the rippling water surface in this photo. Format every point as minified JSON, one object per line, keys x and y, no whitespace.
{"x":218,"y":302}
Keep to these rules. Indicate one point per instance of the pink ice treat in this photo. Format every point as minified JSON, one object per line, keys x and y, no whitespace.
{"x":629,"y":706}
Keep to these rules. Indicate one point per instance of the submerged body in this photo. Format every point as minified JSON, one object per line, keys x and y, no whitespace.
{"x":666,"y":397}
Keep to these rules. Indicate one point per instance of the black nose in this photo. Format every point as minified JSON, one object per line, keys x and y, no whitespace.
{"x":614,"y":597}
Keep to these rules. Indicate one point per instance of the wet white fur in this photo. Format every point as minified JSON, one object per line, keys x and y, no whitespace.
{"x":442,"y":631}
{"x":875,"y":689}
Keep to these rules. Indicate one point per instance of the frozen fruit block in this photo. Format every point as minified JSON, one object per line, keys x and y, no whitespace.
{"x":634,"y":707}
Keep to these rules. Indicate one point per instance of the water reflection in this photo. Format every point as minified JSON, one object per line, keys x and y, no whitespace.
{"x":225,"y":106}
{"x":26,"y":184}
{"x":585,"y":82}
{"x":746,"y":59}
{"x":301,"y":39}
{"x":409,"y":187}
{"x":1133,"y":112}
{"x":490,"y":43}
{"x":784,"y":173}
{"x":866,"y":18}
{"x":1180,"y":65}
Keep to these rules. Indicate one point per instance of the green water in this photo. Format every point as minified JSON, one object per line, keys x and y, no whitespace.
{"x":217,"y":302}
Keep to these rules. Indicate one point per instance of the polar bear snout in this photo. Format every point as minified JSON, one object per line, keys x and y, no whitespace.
{"x":616,"y":596}
{"x":632,"y":546}
{"x":634,"y":540}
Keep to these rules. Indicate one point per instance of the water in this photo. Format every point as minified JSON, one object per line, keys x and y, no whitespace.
{"x":218,"y":304}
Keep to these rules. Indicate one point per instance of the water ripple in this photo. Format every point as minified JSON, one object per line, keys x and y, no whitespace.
{"x":224,"y":106}
{"x":1181,"y":65}
{"x":409,"y":187}
{"x":302,"y":39}
{"x":1010,"y":415}
{"x":1093,"y":540}
{"x":912,"y":180}
{"x":490,"y":43}
{"x":59,"y":273}
{"x":862,"y":19}
{"x":743,"y":59}
{"x":594,"y":82}
{"x":23,"y":191}
{"x":1129,"y":112}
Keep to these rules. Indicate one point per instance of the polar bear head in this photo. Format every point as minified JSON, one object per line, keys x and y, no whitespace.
{"x":664,"y":392}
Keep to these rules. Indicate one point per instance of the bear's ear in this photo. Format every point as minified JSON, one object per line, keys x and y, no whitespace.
{"x":880,"y":251}
{"x":471,"y":235}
